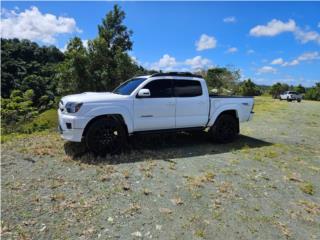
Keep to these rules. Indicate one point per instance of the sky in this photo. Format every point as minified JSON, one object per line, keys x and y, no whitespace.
{"x":268,"y":41}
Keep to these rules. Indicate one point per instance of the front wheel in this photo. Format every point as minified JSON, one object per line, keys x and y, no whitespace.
{"x":105,"y":136}
{"x":225,"y":129}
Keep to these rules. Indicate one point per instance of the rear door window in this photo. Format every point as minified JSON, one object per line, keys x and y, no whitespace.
{"x":187,"y":88}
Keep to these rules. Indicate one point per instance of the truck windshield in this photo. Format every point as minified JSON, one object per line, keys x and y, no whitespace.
{"x":129,"y":86}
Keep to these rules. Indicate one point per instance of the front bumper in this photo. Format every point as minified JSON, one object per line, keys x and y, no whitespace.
{"x":73,"y":134}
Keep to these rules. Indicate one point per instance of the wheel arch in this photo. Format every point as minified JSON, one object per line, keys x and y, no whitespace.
{"x":232,"y":112}
{"x":117,"y":116}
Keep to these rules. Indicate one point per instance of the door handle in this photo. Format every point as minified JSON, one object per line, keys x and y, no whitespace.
{"x":170,"y":103}
{"x":201,"y":102}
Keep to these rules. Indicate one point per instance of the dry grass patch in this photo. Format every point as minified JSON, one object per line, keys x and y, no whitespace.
{"x":198,"y":181}
{"x":225,"y":187}
{"x":133,"y":209}
{"x":310,"y":207}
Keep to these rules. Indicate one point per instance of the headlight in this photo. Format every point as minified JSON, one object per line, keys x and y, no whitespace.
{"x":73,"y":107}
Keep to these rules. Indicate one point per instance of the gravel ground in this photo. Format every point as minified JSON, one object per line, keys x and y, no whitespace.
{"x":266,"y":185}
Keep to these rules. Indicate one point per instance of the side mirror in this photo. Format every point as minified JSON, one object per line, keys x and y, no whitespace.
{"x":144,"y":92}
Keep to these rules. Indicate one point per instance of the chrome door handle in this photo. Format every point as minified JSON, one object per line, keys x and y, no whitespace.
{"x":170,"y":103}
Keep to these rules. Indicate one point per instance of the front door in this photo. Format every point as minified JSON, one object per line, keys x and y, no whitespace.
{"x":157,"y":111}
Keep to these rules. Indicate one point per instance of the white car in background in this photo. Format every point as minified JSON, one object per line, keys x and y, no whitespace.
{"x":291,"y":96}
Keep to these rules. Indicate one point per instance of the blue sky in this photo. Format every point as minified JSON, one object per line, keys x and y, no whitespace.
{"x":268,"y":41}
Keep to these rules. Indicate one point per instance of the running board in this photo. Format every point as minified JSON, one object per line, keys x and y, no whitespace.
{"x":171,"y":130}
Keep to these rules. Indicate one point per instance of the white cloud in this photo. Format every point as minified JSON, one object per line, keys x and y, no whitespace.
{"x":166,"y":63}
{"x":206,"y":42}
{"x":291,"y":63}
{"x":169,"y":63}
{"x":250,"y":51}
{"x":34,"y":25}
{"x":198,"y":62}
{"x":230,"y":19}
{"x":307,"y":56}
{"x":273,"y":28}
{"x":232,"y":50}
{"x":318,"y":24}
{"x":267,"y":69}
{"x":307,"y":36}
{"x":277,"y":61}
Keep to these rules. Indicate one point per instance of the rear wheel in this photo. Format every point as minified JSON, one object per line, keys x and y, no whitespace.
{"x":105,"y":136}
{"x":298,"y":100}
{"x":225,"y":129}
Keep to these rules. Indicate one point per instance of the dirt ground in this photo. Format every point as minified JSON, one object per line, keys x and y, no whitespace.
{"x":265,"y":185}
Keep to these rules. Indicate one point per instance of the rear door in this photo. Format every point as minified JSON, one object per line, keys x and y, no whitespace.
{"x":157,"y":111}
{"x":192,"y":105}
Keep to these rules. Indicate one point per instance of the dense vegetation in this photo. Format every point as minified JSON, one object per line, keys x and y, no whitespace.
{"x":34,"y":77}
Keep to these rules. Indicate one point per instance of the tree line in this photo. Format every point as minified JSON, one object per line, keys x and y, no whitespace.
{"x":33,"y":77}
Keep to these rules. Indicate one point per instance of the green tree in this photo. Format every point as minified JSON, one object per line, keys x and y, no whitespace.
{"x":313,"y":93}
{"x":299,"y":89}
{"x":248,"y":88}
{"x":104,"y":64}
{"x":25,"y":65}
{"x":110,"y":63}
{"x":17,"y":108}
{"x":73,"y":75}
{"x":222,"y":78}
{"x":277,"y":89}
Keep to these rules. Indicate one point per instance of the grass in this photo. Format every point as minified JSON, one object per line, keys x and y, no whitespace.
{"x":307,"y":188}
{"x":47,"y":120}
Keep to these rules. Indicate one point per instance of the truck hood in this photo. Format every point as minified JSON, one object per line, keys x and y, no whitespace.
{"x":92,"y":97}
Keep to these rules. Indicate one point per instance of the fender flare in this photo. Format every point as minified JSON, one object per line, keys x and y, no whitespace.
{"x":112,"y":110}
{"x":220,"y":110}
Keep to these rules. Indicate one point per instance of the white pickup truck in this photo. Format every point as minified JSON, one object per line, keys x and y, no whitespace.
{"x":291,"y":96}
{"x":157,"y":103}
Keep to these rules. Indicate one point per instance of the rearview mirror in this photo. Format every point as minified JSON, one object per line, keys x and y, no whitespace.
{"x":144,"y":92}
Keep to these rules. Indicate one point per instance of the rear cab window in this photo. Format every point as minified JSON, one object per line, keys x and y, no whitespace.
{"x":187,"y":88}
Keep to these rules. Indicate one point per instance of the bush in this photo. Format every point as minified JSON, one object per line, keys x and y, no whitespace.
{"x":313,"y":93}
{"x":46,"y":120}
{"x":248,"y":88}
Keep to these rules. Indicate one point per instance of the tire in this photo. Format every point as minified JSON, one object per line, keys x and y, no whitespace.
{"x":298,"y":100}
{"x":106,"y":136}
{"x":225,"y":129}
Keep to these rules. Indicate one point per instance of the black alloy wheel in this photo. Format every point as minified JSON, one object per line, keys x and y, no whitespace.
{"x":225,"y":129}
{"x":105,"y":136}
